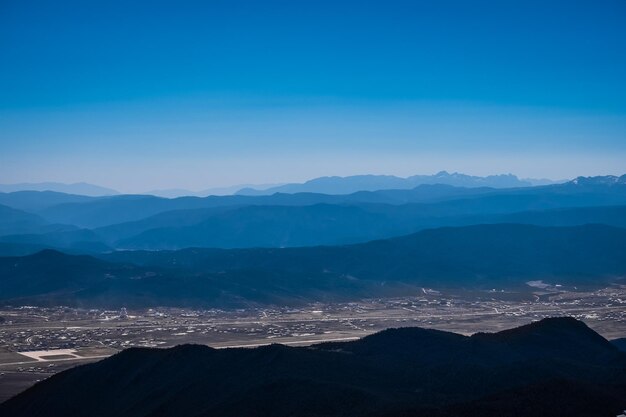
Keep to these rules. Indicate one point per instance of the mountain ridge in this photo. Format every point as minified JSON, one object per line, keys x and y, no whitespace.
{"x":471,"y":257}
{"x":369,"y":182}
{"x":362,"y":377}
{"x":302,"y":219}
{"x":79,"y":188}
{"x":111,"y":210}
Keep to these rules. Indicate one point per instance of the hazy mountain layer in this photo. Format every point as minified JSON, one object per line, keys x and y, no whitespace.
{"x":291,"y":220}
{"x":476,"y":257}
{"x":17,"y":221}
{"x":80,"y":188}
{"x":35,"y":201}
{"x":112,"y":210}
{"x":293,"y":226}
{"x":351,"y":184}
{"x":283,"y":226}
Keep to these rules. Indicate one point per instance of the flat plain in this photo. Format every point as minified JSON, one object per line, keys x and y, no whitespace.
{"x":36,"y":342}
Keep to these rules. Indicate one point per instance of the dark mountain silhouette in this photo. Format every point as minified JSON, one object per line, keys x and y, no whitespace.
{"x":491,"y":253}
{"x":19,"y":249}
{"x":620,"y":344}
{"x":81,"y":240}
{"x":50,"y":271}
{"x":168,"y":219}
{"x":486,"y":256}
{"x":111,"y":210}
{"x":554,"y":367}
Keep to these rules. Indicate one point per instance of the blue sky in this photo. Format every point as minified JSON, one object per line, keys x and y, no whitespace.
{"x":200,"y":94}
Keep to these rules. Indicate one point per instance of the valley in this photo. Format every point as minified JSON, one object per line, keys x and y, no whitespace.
{"x":91,"y":334}
{"x":313,"y":209}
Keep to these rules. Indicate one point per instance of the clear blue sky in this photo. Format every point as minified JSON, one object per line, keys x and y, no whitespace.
{"x":153,"y":94}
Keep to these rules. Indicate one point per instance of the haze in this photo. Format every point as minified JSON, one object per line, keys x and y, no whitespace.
{"x":144,"y":96}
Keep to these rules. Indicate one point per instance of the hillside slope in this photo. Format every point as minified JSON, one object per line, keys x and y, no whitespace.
{"x":474,"y":257}
{"x":555,"y":367}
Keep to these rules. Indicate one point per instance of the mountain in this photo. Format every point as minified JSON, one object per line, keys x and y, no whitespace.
{"x":293,"y":226}
{"x":52,"y":278}
{"x":304,"y":219}
{"x":115,"y":233}
{"x":112,"y":210}
{"x":352,"y":184}
{"x":323,"y":224}
{"x":215,"y":191}
{"x":79,"y":188}
{"x":129,"y":208}
{"x":17,"y":249}
{"x":554,"y":367}
{"x":269,"y":226}
{"x":574,"y":216}
{"x":51,"y":271}
{"x":35,"y":201}
{"x":13,"y":221}
{"x":171,"y":193}
{"x":74,"y":240}
{"x":283,"y":226}
{"x":542,"y":181}
{"x":232,"y":189}
{"x":500,"y":256}
{"x":620,"y":343}
{"x":504,"y":254}
{"x":107,"y":211}
{"x":17,"y":221}
{"x":610,"y":180}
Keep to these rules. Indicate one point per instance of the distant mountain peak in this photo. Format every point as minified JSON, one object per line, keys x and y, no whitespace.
{"x":355,"y":183}
{"x":599,"y":180}
{"x":79,"y":188}
{"x":550,"y":324}
{"x":564,"y":334}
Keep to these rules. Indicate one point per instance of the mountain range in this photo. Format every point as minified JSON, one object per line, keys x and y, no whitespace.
{"x":352,"y":184}
{"x":502,"y":256}
{"x":294,"y":248}
{"x":217,"y":191}
{"x":291,"y":248}
{"x":35,"y":220}
{"x":80,"y":188}
{"x":554,"y":367}
{"x":324,"y":185}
